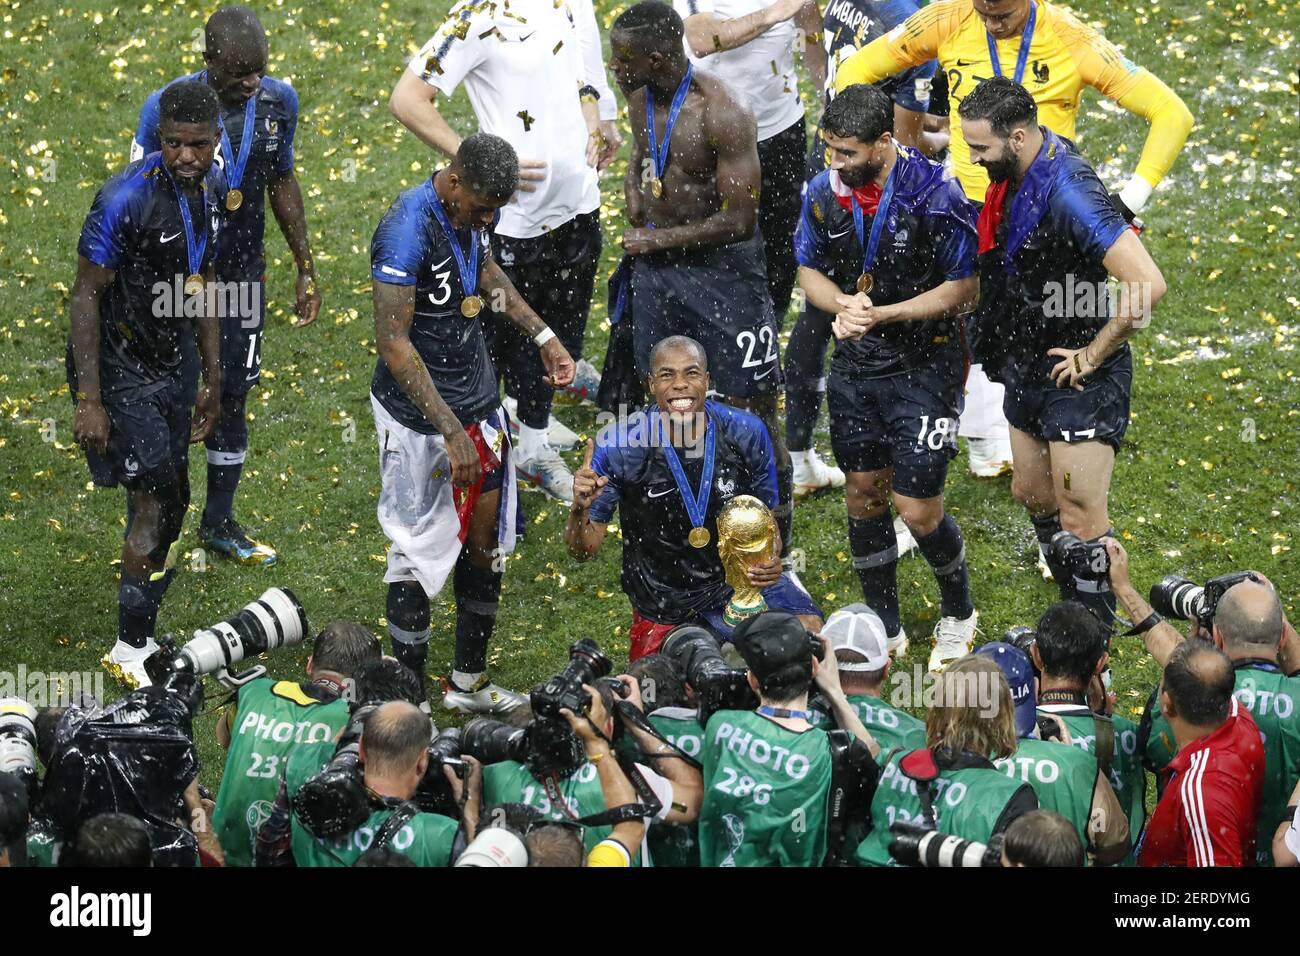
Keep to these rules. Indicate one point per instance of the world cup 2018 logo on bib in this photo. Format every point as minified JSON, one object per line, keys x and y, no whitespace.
{"x":734,"y":828}
{"x":256,"y":815}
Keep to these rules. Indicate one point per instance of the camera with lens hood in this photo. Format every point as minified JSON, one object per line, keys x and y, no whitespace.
{"x":18,"y":742}
{"x":918,"y":845}
{"x":717,"y":685}
{"x":274,"y":620}
{"x":548,"y":744}
{"x":1185,"y":600}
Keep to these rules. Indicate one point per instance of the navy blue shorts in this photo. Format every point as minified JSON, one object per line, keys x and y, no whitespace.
{"x":718,"y":296}
{"x":242,"y":307}
{"x":148,"y":441}
{"x":907,"y":422}
{"x":1036,"y":405}
{"x":785,"y":595}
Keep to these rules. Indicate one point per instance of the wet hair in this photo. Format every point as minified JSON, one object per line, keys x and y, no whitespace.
{"x":488,"y":165}
{"x":189,"y":101}
{"x":383,"y":856}
{"x":111,"y":839}
{"x":653,"y":27}
{"x":860,"y":111}
{"x":386,"y":679}
{"x":1070,"y":641}
{"x":344,"y":648}
{"x":234,"y":31}
{"x":1004,"y":103}
{"x":662,"y":682}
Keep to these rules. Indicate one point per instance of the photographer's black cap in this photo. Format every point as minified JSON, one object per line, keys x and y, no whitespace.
{"x":770,"y":641}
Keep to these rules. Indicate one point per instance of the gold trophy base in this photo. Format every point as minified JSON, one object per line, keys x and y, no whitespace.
{"x":741,"y":607}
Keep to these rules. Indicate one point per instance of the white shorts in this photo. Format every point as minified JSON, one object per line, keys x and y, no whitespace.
{"x":417,"y":510}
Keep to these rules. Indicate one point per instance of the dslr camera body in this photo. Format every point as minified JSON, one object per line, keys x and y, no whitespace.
{"x":274,"y":620}
{"x":547,"y":745}
{"x":1083,"y":558}
{"x":1185,"y":600}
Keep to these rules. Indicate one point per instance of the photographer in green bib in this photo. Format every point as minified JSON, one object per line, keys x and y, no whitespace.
{"x":377,"y":682}
{"x":394,"y":750}
{"x":952,"y":784}
{"x":662,"y":692}
{"x":861,"y":647}
{"x":1240,"y":613}
{"x":269,"y":719}
{"x":769,"y":774}
{"x":1067,"y":780}
{"x":545,"y":765}
{"x":1069,"y":653}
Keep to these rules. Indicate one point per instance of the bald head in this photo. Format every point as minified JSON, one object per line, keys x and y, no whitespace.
{"x":1249,"y":619}
{"x":395,"y":736}
{"x":1199,"y":682}
{"x":234,"y":32}
{"x":676,"y":343}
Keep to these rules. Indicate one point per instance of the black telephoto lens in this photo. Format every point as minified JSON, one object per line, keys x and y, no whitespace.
{"x":491,"y":741}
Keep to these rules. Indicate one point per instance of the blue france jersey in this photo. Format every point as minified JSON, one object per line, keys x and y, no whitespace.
{"x":241,"y":256}
{"x":409,"y":248}
{"x":665,"y":578}
{"x":134,"y":228}
{"x":1053,"y":235}
{"x":849,"y":25}
{"x":928,"y":240}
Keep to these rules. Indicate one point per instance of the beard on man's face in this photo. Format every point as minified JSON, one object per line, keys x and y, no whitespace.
{"x":855,"y":177}
{"x":1002,"y":168}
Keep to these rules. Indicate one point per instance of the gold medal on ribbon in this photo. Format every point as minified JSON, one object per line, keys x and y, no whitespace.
{"x":657,"y":187}
{"x":471,"y":306}
{"x":194,"y":284}
{"x":234,"y":199}
{"x":865,"y":282}
{"x":699,"y":537}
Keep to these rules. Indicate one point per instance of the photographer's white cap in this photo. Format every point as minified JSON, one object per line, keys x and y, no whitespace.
{"x":859,"y":629}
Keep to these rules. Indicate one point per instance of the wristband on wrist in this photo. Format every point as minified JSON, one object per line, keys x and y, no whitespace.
{"x":544,"y":336}
{"x":1148,"y":622}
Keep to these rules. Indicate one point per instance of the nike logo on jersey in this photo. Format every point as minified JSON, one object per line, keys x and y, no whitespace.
{"x":167,"y":238}
{"x":522,"y":39}
{"x":842,"y":232}
{"x":440,"y":264}
{"x":965,"y":62}
{"x":659,"y":494}
{"x":759,"y":376}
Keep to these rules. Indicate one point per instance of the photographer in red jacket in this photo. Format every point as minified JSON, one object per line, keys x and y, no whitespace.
{"x":1207,"y":814}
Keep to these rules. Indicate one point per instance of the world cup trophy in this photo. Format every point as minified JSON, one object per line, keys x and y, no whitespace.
{"x":746,"y":537}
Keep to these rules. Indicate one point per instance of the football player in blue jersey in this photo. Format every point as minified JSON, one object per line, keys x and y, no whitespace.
{"x":669,"y":471}
{"x":449,"y":500}
{"x":144,"y":272}
{"x":886,"y":245}
{"x":259,"y":118}
{"x":1048,"y":329}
